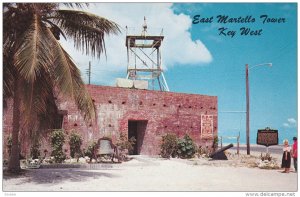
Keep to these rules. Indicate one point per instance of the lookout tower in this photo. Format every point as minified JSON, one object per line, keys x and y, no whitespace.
{"x":144,"y":59}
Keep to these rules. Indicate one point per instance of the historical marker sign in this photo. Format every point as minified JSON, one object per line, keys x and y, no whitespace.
{"x":267,"y":137}
{"x":207,"y":129}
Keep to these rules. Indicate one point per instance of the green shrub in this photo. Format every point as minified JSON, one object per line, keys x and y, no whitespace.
{"x":35,"y":152}
{"x":124,"y":144}
{"x":75,"y":143}
{"x":267,"y":156}
{"x":215,"y":143}
{"x":57,"y":142}
{"x":203,"y":151}
{"x":9,"y":145}
{"x":45,"y":153}
{"x":169,"y":146}
{"x":186,"y":147}
{"x":59,"y":156}
{"x":89,"y":152}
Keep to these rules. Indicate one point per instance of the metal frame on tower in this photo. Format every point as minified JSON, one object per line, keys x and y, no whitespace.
{"x":144,"y":59}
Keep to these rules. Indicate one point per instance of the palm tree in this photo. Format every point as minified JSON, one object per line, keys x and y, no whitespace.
{"x":35,"y":65}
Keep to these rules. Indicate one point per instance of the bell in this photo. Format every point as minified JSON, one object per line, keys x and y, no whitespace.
{"x":105,"y":147}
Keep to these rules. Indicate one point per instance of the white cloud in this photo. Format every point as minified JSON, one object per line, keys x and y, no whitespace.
{"x":291,"y":122}
{"x":178,"y":47}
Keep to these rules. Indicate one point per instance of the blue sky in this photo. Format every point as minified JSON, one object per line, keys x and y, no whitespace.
{"x":199,"y":60}
{"x":273,"y":90}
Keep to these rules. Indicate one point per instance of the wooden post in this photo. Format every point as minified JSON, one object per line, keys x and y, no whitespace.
{"x":238,"y":144}
{"x":247,"y":111}
{"x":221,"y":142}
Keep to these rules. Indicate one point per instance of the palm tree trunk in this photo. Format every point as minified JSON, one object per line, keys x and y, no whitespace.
{"x":14,"y":162}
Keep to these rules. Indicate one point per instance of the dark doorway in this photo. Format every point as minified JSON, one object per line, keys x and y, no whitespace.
{"x":136,"y":129}
{"x":58,"y":121}
{"x":59,"y":118}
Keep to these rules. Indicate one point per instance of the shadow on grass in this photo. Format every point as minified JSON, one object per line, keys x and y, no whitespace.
{"x":56,"y":176}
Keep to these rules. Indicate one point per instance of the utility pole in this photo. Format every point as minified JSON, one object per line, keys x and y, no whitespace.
{"x":88,"y":72}
{"x":247,"y":111}
{"x":248,"y":103}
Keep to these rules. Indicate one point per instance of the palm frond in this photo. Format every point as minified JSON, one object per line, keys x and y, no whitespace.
{"x":78,"y":5}
{"x":8,"y":81}
{"x":67,"y":78}
{"x":60,"y":72}
{"x":81,"y":95}
{"x":12,"y":30}
{"x":56,"y":28}
{"x":8,"y":72}
{"x":87,"y":30}
{"x":37,"y":96}
{"x":30,"y":49}
{"x":32,"y":54}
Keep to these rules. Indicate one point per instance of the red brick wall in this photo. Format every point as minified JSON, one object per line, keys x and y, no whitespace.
{"x":165,"y":112}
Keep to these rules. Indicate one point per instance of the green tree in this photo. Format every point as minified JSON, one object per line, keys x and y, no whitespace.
{"x":57,"y":141}
{"x":75,"y":143}
{"x":35,"y":66}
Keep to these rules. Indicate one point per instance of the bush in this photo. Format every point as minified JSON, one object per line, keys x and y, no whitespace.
{"x":124,"y":144}
{"x":75,"y":143}
{"x":186,"y":147}
{"x":45,"y":153}
{"x":35,"y":152}
{"x":9,"y":145}
{"x":203,"y":151}
{"x":57,"y":142}
{"x":215,"y":143}
{"x":90,"y":151}
{"x":267,"y":156}
{"x":169,"y":146}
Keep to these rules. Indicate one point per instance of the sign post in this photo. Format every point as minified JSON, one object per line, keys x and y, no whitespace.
{"x":267,"y":137}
